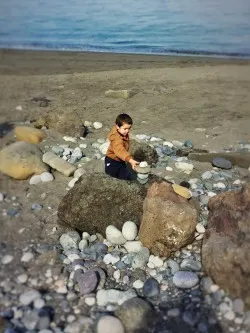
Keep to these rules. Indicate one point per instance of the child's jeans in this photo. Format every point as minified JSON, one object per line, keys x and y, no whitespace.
{"x":118,"y":169}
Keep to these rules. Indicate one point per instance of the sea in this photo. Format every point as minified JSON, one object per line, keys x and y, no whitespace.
{"x":218,"y":28}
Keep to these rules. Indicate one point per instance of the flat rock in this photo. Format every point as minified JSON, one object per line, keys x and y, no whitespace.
{"x":184,"y":279}
{"x":114,"y":296}
{"x":58,"y":164}
{"x":222,"y":163}
{"x":125,"y":93}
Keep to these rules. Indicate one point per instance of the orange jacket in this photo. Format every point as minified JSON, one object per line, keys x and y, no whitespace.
{"x":118,"y":147}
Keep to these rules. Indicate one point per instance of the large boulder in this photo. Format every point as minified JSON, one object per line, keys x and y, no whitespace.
{"x":29,"y":134}
{"x":21,"y":159}
{"x":168,"y":221}
{"x":226,"y":244}
{"x":143,"y":152}
{"x":98,"y":200}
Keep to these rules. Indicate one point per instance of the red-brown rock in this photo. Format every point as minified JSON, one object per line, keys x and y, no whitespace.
{"x":168,"y":221}
{"x":226,"y":244}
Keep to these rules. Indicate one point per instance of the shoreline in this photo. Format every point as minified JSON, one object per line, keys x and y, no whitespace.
{"x":34,"y":62}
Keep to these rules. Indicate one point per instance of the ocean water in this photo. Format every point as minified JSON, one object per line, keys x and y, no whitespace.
{"x":200,"y":27}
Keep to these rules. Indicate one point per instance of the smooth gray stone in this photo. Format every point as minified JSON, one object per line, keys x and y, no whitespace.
{"x":184,"y":279}
{"x":151,"y":288}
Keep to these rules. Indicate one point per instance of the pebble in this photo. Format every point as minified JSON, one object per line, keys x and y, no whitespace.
{"x":27,"y":257}
{"x":189,"y":264}
{"x":141,"y":258}
{"x":133,"y":246}
{"x":200,"y":228}
{"x":83,"y":244}
{"x":39,"y":303}
{"x":7,"y":259}
{"x":238,"y":305}
{"x":185,"y":167}
{"x":184,"y":279}
{"x":110,"y":259}
{"x":156,"y":261}
{"x":230,"y":315}
{"x":151,"y":288}
{"x":72,"y":182}
{"x":109,"y":324}
{"x":22,"y":278}
{"x":143,"y":164}
{"x":69,"y":138}
{"x":138,"y":284}
{"x":113,"y":296}
{"x":221,"y":163}
{"x":46,"y":177}
{"x":129,"y":230}
{"x":97,"y":125}
{"x":173,"y":265}
{"x":90,"y":301}
{"x":36,"y":179}
{"x":114,"y":235}
{"x":70,"y":240}
{"x":37,"y":207}
{"x":219,"y":185}
{"x":19,"y":108}
{"x":169,"y":168}
{"x":85,"y":235}
{"x":173,"y":312}
{"x":117,"y":275}
{"x":29,"y":296}
{"x":214,"y":288}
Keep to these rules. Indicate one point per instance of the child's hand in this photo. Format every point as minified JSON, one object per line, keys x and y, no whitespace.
{"x":133,"y":163}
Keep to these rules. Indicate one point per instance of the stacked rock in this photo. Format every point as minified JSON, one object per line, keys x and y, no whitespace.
{"x":142,"y":170}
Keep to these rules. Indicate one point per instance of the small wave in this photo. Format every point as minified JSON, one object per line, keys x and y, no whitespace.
{"x":122,"y":48}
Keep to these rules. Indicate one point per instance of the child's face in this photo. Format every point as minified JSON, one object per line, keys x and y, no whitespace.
{"x":124,"y":129}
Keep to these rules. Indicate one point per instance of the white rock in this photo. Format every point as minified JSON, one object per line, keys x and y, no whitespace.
{"x":27,"y":257}
{"x":199,"y":237}
{"x":83,"y":145}
{"x":151,"y":265}
{"x":206,"y":175}
{"x":154,"y":138}
{"x":129,"y":230}
{"x":39,"y":303}
{"x":88,"y":123}
{"x":85,"y":235}
{"x":143,"y":137}
{"x":158,"y":262}
{"x":211,"y":194}
{"x":69,"y":138}
{"x":219,"y":185}
{"x":35,"y":180}
{"x":71,"y":184}
{"x":46,"y":177}
{"x":198,"y":129}
{"x":110,"y":259}
{"x":73,"y":256}
{"x":193,"y":181}
{"x":83,"y":244}
{"x":153,"y":272}
{"x":230,"y":315}
{"x":200,"y":228}
{"x":169,"y":168}
{"x":237,"y":182}
{"x":133,"y":246}
{"x":90,"y":301}
{"x":114,"y":296}
{"x":70,"y":240}
{"x":117,"y":275}
{"x":109,"y":324}
{"x":97,"y":125}
{"x":177,"y":144}
{"x":185,"y":167}
{"x":114,"y":235}
{"x":7,"y":259}
{"x":19,"y":108}
{"x":143,"y":164}
{"x":169,"y":144}
{"x":29,"y":296}
{"x":214,"y":288}
{"x":138,"y":284}
{"x":22,"y":278}
{"x":104,"y":147}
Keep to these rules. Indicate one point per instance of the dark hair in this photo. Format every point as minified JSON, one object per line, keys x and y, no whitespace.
{"x":123,"y":118}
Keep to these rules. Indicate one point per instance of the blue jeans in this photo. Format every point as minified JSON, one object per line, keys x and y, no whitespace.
{"x":118,"y":169}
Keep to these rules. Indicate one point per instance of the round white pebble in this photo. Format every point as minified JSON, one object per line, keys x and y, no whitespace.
{"x":138,"y":284}
{"x":97,"y":125}
{"x":90,"y":301}
{"x":143,"y":164}
{"x":129,"y":230}
{"x":169,"y":168}
{"x":7,"y":259}
{"x":27,"y":257}
{"x":109,"y":324}
{"x":35,"y":180}
{"x":200,"y":228}
{"x":85,"y":235}
{"x":117,"y":275}
{"x":46,"y":177}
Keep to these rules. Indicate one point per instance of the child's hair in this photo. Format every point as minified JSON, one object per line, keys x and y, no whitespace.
{"x":123,"y":118}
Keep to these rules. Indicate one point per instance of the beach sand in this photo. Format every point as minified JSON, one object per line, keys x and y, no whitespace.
{"x":205,"y":100}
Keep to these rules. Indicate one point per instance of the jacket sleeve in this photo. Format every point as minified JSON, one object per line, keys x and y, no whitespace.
{"x":120,"y":151}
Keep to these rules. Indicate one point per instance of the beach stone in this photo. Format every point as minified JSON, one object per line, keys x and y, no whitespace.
{"x":29,"y":296}
{"x":111,"y":259}
{"x":182,"y":191}
{"x":119,"y":198}
{"x":104,"y":147}
{"x":29,"y":134}
{"x":113,"y":296}
{"x":138,"y":284}
{"x":125,"y":93}
{"x":185,"y":167}
{"x":87,"y":281}
{"x":226,"y":249}
{"x":70,"y":240}
{"x":27,"y":257}
{"x":57,"y":150}
{"x":207,"y":175}
{"x":238,"y":305}
{"x":142,"y":152}
{"x":173,"y":265}
{"x":156,"y":261}
{"x":136,"y":314}
{"x":133,"y":246}
{"x":109,"y":324}
{"x":83,"y":244}
{"x":221,"y":163}
{"x":184,"y":279}
{"x":97,"y":125}
{"x":151,"y":288}
{"x":21,"y":160}
{"x":114,"y":235}
{"x":129,"y":230}
{"x":176,"y":220}
{"x":200,"y":228}
{"x":46,"y":177}
{"x":190,"y":265}
{"x":7,"y":259}
{"x":58,"y":164}
{"x":141,"y":258}
{"x":36,"y":179}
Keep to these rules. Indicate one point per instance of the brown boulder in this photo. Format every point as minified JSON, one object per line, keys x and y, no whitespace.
{"x":226,"y":244}
{"x":98,"y":200}
{"x":29,"y":134}
{"x":168,"y":221}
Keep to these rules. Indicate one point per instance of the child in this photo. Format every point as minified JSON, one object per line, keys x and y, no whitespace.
{"x":117,"y":154}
